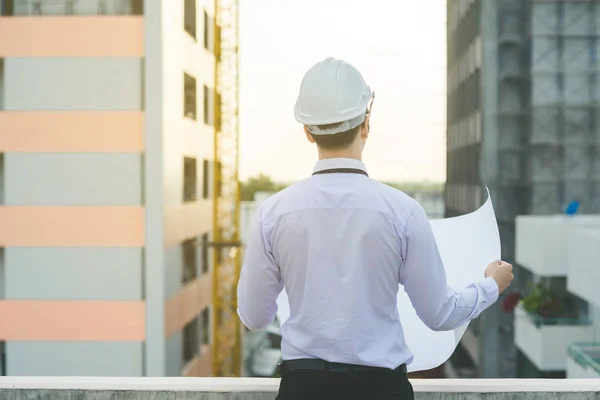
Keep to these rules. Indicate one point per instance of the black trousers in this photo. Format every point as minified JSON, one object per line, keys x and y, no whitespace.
{"x":327,"y":385}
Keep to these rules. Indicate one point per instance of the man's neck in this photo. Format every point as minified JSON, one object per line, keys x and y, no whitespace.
{"x":346,"y":153}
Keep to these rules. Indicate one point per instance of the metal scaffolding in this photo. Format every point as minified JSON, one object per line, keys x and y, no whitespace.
{"x":547,"y":141}
{"x":563,"y":146}
{"x":226,"y":205}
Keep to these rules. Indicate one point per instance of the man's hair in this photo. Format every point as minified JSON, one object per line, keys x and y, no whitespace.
{"x":336,"y":141}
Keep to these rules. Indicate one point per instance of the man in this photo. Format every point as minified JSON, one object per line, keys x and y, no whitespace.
{"x":341,"y":244}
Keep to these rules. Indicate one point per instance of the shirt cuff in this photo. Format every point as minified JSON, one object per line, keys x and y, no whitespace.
{"x":247,"y":324}
{"x":243,"y":319}
{"x":490,"y":287}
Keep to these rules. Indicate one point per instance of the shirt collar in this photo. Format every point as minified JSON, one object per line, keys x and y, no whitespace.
{"x":332,"y":163}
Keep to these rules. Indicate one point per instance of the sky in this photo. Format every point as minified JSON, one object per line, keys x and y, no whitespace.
{"x":398,"y":46}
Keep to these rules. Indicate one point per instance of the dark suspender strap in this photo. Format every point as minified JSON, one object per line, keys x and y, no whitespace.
{"x":342,"y":171}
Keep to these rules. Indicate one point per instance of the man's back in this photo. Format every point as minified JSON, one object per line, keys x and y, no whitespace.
{"x":341,"y":244}
{"x":337,"y":241}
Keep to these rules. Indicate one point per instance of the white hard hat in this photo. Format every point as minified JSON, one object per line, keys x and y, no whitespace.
{"x":332,"y":91}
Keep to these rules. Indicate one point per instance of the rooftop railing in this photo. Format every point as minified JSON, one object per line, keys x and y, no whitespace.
{"x":539,"y":320}
{"x":586,"y":354}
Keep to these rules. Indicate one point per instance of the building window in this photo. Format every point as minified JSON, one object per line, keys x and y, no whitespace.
{"x":189,"y":17}
{"x":191,"y":341}
{"x":219,"y":172}
{"x":478,"y":50}
{"x":205,"y":316}
{"x":137,"y":7}
{"x":71,"y":7}
{"x":205,"y":258}
{"x":7,"y":7}
{"x":208,"y":106}
{"x":189,"y":96}
{"x":209,"y":32}
{"x":2,"y":358}
{"x":217,"y":114}
{"x":190,"y":179}
{"x":189,"y":271}
{"x":205,"y":179}
{"x":207,"y":35}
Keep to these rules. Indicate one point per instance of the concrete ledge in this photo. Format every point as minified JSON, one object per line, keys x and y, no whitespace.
{"x":50,"y":388}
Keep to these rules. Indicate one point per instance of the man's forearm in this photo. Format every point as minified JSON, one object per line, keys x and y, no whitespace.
{"x":462,"y":306}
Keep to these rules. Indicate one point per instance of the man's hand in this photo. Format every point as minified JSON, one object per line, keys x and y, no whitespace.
{"x":501,"y":272}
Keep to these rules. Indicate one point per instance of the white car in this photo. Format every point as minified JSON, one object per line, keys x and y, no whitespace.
{"x":263,"y":351}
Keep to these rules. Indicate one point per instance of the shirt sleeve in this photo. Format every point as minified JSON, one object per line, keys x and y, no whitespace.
{"x":260,"y":280}
{"x":423,"y":276}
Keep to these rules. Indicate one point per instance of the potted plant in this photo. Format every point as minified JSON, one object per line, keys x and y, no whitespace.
{"x":543,"y":303}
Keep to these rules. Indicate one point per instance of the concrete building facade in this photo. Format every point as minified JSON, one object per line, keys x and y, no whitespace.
{"x":522,"y":120}
{"x":106,"y":147}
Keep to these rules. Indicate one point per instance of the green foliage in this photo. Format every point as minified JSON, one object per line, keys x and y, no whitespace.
{"x":547,"y":303}
{"x":260,"y":183}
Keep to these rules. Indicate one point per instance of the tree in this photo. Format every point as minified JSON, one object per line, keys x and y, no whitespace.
{"x":260,"y":183}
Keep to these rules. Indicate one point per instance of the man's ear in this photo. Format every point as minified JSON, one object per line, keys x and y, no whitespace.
{"x":364,"y":132}
{"x":308,"y":135}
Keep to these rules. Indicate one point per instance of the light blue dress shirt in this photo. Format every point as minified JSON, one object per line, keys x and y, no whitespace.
{"x":342,"y":244}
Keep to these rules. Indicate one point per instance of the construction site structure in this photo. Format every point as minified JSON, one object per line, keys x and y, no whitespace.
{"x":226,"y":205}
{"x":522,"y":119}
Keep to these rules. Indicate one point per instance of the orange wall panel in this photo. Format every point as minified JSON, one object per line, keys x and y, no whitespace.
{"x":121,"y":131}
{"x":72,"y":320}
{"x":72,"y":36}
{"x":71,"y":226}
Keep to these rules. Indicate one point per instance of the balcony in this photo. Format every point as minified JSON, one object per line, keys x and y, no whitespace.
{"x":541,"y":241}
{"x":583,"y":254}
{"x":71,"y":7}
{"x":266,"y":388}
{"x":545,"y":340}
{"x":583,"y":361}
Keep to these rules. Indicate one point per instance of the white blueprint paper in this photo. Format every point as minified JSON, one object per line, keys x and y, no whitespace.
{"x":467,"y":244}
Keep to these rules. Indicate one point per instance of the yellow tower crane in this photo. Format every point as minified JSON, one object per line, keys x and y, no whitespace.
{"x":226,"y":244}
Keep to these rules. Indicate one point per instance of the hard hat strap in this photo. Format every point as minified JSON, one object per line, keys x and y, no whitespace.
{"x":337,"y":128}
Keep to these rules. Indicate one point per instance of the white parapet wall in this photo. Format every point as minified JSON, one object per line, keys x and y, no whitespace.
{"x":49,"y":388}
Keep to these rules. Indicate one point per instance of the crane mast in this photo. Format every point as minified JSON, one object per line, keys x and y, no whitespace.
{"x":226,"y":245}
